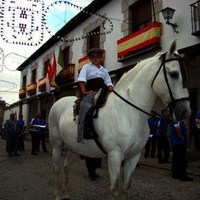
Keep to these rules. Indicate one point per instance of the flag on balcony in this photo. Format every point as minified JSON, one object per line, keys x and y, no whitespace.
{"x":60,"y":59}
{"x":52,"y":71}
{"x":139,"y":40}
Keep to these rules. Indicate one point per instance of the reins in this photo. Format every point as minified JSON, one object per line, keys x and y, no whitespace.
{"x":173,"y":100}
{"x":128,"y":102}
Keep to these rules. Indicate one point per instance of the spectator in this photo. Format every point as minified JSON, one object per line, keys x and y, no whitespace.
{"x":42,"y":133}
{"x":193,"y":130}
{"x":150,"y":146}
{"x":21,"y":125}
{"x":34,"y":131}
{"x":12,"y":129}
{"x":92,"y":164}
{"x":179,"y":143}
{"x":163,"y":143}
{"x":197,"y":131}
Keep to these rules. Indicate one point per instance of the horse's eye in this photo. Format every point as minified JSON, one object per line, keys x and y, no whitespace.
{"x":174,"y":75}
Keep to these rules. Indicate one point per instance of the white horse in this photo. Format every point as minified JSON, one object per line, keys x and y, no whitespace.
{"x":122,"y":128}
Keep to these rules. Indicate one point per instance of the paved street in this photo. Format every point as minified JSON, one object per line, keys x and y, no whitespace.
{"x":30,"y":178}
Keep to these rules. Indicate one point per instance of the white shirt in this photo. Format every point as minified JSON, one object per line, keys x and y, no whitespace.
{"x":90,"y":71}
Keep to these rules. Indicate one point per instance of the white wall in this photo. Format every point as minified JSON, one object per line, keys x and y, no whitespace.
{"x":182,"y":17}
{"x":13,"y":109}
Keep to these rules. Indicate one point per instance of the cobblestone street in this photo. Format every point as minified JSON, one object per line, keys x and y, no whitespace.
{"x":30,"y":178}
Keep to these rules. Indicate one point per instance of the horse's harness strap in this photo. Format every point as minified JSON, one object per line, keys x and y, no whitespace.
{"x":163,"y":58}
{"x":177,"y":58}
{"x":128,"y":102}
{"x":99,"y":143}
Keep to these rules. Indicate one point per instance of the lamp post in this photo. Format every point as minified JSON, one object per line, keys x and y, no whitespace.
{"x":168,"y":14}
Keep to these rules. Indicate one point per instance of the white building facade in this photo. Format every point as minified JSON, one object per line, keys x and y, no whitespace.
{"x":127,"y":30}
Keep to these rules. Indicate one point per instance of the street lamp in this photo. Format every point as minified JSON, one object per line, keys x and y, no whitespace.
{"x":168,"y":14}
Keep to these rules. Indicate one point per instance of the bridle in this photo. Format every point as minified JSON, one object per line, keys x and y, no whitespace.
{"x":162,"y":65}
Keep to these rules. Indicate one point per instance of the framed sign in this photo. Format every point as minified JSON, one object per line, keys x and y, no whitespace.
{"x":22,"y":22}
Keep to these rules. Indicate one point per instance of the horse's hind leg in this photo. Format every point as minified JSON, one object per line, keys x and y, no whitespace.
{"x":65,"y":195}
{"x":56,"y":156}
{"x":128,"y":168}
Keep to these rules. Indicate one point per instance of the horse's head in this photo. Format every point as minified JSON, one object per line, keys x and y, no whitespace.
{"x":169,"y":83}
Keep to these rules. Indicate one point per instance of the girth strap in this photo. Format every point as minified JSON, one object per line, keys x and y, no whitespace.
{"x":98,"y":143}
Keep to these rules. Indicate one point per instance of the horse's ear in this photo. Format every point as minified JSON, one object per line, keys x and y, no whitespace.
{"x":172,"y":48}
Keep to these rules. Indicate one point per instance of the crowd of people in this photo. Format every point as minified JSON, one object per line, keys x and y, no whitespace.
{"x":15,"y":133}
{"x":167,"y":135}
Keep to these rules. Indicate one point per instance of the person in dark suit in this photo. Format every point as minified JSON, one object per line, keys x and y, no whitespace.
{"x":163,"y":143}
{"x":179,"y":143}
{"x":92,"y":164}
{"x":22,"y":127}
{"x":150,"y":146}
{"x":34,"y":132}
{"x":12,"y":130}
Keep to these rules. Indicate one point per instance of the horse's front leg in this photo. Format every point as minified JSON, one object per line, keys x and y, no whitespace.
{"x":128,"y":168}
{"x":114,"y":166}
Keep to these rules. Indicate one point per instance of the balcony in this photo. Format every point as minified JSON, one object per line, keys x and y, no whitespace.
{"x":195,"y":18}
{"x":22,"y":93}
{"x":32,"y":88}
{"x":65,"y":75}
{"x":42,"y":84}
{"x":144,"y":39}
{"x":71,"y":71}
{"x":85,"y":60}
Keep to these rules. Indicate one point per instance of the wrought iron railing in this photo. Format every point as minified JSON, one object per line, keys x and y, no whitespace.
{"x":195,"y":18}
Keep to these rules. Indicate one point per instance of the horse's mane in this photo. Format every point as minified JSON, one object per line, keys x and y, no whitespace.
{"x":128,"y":76}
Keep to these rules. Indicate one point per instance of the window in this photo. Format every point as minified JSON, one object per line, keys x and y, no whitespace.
{"x":65,"y":54}
{"x":141,"y":14}
{"x":195,"y":12}
{"x":24,"y":81}
{"x":33,"y":76}
{"x":94,"y":39}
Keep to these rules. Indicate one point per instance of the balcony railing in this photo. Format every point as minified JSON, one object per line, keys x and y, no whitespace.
{"x":140,"y":40}
{"x":66,"y":74}
{"x":195,"y":18}
{"x":22,"y":93}
{"x":32,"y":88}
{"x":42,"y":84}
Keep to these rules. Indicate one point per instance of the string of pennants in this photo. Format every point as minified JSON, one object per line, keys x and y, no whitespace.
{"x":104,"y":21}
{"x":23,"y":23}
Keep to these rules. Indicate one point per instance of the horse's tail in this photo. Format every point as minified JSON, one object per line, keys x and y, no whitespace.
{"x":54,"y":133}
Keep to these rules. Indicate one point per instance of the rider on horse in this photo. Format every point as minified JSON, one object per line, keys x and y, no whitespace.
{"x":92,"y":77}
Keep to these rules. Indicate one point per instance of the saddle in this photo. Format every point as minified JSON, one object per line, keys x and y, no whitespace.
{"x":99,"y":101}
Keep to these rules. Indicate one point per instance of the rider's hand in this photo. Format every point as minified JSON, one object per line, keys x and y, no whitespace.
{"x":110,"y":88}
{"x":88,"y":92}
